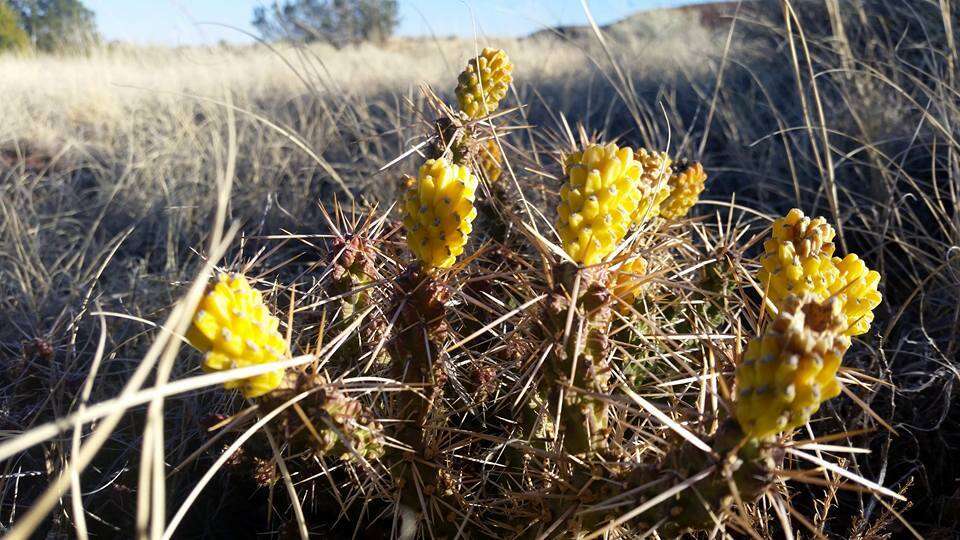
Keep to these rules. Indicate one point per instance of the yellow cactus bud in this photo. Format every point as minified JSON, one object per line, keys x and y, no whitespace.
{"x":856,"y":289}
{"x":628,"y":282}
{"x":685,"y":186}
{"x":798,"y":259}
{"x":484,"y":83}
{"x":233,"y":326}
{"x":791,"y":369}
{"x":490,"y":158}
{"x":654,"y":184}
{"x":597,"y":201}
{"x":439,"y":212}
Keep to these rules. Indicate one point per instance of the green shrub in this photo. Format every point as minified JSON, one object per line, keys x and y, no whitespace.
{"x":12,"y":37}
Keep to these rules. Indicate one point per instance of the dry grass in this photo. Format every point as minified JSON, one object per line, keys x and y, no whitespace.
{"x":112,"y":164}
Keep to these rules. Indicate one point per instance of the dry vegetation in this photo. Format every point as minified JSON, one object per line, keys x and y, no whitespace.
{"x":112,"y":166}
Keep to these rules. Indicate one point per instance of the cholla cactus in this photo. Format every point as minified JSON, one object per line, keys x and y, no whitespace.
{"x":628,"y":282}
{"x":484,"y":83}
{"x":685,"y":185}
{"x":490,"y":158}
{"x":654,"y":184}
{"x":856,"y":288}
{"x":234,"y":328}
{"x":791,"y":369}
{"x":439,"y":212}
{"x":598,"y":201}
{"x":798,"y":259}
{"x":334,"y":424}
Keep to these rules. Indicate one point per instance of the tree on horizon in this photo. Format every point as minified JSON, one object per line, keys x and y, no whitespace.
{"x":57,"y":25}
{"x":338,"y":22}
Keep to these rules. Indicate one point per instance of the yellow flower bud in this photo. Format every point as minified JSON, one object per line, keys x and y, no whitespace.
{"x":629,"y":281}
{"x":791,"y":369}
{"x":597,"y":201}
{"x":685,"y":186}
{"x":798,"y":259}
{"x":484,"y":83}
{"x":439,"y":212}
{"x":654,"y":184}
{"x":233,"y":326}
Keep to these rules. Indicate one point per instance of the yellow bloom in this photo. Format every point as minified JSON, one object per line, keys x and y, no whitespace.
{"x":791,"y":369}
{"x":235,"y":329}
{"x":654,"y":184}
{"x":484,"y":83}
{"x":597,"y":201}
{"x":490,"y":158}
{"x":685,"y":186}
{"x":439,"y":212}
{"x":798,"y":259}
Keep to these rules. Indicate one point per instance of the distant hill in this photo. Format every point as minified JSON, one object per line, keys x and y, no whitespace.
{"x":711,"y":15}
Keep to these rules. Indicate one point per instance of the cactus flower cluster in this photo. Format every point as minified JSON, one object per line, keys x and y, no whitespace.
{"x":439,"y":212}
{"x":799,"y":258}
{"x":654,"y":184}
{"x":484,"y":83}
{"x":856,"y":288}
{"x":598,"y":201}
{"x":490,"y":158}
{"x":234,"y":328}
{"x":685,"y":185}
{"x":791,"y":369}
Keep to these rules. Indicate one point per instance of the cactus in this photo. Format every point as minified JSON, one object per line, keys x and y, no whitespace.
{"x":524,"y":396}
{"x":234,"y":328}
{"x":484,"y":83}
{"x":581,"y":360}
{"x":748,"y":465}
{"x":337,"y":425}
{"x":352,"y":271}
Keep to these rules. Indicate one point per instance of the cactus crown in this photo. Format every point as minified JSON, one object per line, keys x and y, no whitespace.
{"x":439,"y":212}
{"x":788,"y":371}
{"x":484,"y":83}
{"x":233,"y":326}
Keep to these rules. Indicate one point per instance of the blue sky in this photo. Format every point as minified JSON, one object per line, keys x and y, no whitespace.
{"x":177,"y":22}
